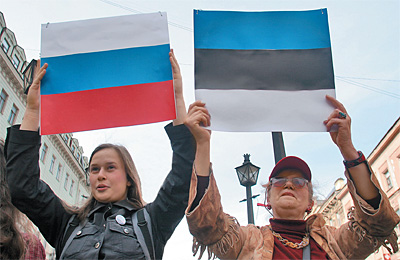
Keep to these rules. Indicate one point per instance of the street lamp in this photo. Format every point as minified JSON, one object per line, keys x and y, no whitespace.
{"x":28,"y":75}
{"x":248,"y":175}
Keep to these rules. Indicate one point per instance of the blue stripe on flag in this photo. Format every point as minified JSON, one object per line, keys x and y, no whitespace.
{"x":261,"y":30}
{"x":105,"y":69}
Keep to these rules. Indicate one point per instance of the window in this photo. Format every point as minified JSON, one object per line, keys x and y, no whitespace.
{"x":77,"y":155}
{"x":71,"y":187}
{"x":73,"y":149}
{"x":44,"y":152}
{"x":339,"y":218}
{"x":388,"y":179}
{"x":53,"y":160}
{"x":3,"y":100}
{"x":13,"y":115}
{"x":66,"y":138}
{"x":15,"y":61}
{"x":58,"y":174}
{"x":66,"y":181}
{"x":5,"y":45}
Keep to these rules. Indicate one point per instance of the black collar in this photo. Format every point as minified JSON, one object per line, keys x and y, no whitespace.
{"x":121,"y":204}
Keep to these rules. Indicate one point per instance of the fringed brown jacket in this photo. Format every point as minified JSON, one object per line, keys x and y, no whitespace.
{"x":222,"y":236}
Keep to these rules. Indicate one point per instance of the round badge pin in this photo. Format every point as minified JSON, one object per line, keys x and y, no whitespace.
{"x":120,"y":220}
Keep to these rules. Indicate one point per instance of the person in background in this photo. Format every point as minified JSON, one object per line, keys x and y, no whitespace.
{"x":289,"y":194}
{"x":15,"y":244}
{"x":104,"y":228}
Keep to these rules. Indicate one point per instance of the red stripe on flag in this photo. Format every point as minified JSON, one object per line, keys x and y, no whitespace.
{"x":107,"y":107}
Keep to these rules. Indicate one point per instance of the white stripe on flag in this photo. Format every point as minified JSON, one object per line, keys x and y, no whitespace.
{"x":103,"y":34}
{"x":267,"y":110}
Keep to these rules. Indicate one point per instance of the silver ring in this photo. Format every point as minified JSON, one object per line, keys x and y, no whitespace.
{"x":342,"y":115}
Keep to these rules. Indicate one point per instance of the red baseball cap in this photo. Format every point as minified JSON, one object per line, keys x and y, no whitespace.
{"x":291,"y":162}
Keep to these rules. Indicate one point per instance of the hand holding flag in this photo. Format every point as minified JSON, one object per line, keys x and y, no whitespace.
{"x":178,"y":90}
{"x":31,"y":116}
{"x":341,"y":136}
{"x":359,"y":173}
{"x":198,"y":117}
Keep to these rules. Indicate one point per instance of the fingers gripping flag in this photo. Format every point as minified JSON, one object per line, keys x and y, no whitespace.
{"x":264,"y":71}
{"x":106,"y":72}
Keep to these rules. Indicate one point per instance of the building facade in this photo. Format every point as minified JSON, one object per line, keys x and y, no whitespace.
{"x":61,"y":158}
{"x":385,"y":162}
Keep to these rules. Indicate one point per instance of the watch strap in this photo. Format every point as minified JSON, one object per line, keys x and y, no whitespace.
{"x":353,"y":163}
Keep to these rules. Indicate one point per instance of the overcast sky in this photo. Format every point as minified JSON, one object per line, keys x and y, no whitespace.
{"x":365,"y":49}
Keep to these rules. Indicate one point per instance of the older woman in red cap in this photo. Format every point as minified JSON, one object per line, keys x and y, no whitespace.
{"x":289,"y":194}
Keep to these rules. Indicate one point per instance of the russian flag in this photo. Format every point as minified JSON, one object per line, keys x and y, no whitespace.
{"x":264,"y":71}
{"x":106,"y":72}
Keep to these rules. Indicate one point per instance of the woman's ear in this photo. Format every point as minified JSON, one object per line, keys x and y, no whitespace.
{"x":266,"y":195}
{"x":309,"y":208}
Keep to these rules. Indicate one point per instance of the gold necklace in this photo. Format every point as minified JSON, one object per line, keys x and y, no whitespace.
{"x":285,"y":242}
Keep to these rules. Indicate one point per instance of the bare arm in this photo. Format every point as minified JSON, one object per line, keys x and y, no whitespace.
{"x":342,"y":138}
{"x":31,"y":117}
{"x":197,"y":117}
{"x":178,"y":88}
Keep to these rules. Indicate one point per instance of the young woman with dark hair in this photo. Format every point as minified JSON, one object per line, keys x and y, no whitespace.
{"x":105,"y":226}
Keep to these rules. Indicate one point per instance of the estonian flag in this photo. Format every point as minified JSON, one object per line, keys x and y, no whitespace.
{"x":106,"y":72}
{"x":264,"y":71}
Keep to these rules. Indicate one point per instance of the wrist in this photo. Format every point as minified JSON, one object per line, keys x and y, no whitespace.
{"x":349,"y":153}
{"x":178,"y":94}
{"x":32,"y":109}
{"x":31,"y":114}
{"x":352,"y":163}
{"x":203,"y":143}
{"x":30,"y":121}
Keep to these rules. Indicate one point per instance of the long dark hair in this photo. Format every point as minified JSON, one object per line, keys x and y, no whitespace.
{"x":12,"y":245}
{"x":134,"y":195}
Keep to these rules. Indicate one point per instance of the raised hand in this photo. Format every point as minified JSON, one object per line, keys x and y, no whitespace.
{"x":176,"y":73}
{"x":360,"y":174}
{"x":31,"y":116}
{"x":33,"y":98}
{"x":178,"y":88}
{"x":341,"y":137}
{"x":198,"y":117}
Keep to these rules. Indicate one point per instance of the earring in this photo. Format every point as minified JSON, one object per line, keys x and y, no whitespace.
{"x":269,"y":206}
{"x":308,"y":210}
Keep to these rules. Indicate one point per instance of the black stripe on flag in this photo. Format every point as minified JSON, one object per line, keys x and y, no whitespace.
{"x":306,"y":69}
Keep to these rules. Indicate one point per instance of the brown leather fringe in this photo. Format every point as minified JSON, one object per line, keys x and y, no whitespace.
{"x":376,"y":241}
{"x":389,"y":240}
{"x":223,"y":245}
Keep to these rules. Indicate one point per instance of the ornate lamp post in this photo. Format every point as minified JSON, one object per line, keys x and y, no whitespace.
{"x":248,"y":175}
{"x":28,"y":75}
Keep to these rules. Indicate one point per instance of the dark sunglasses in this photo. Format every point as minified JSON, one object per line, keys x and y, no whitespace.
{"x":297,"y":182}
